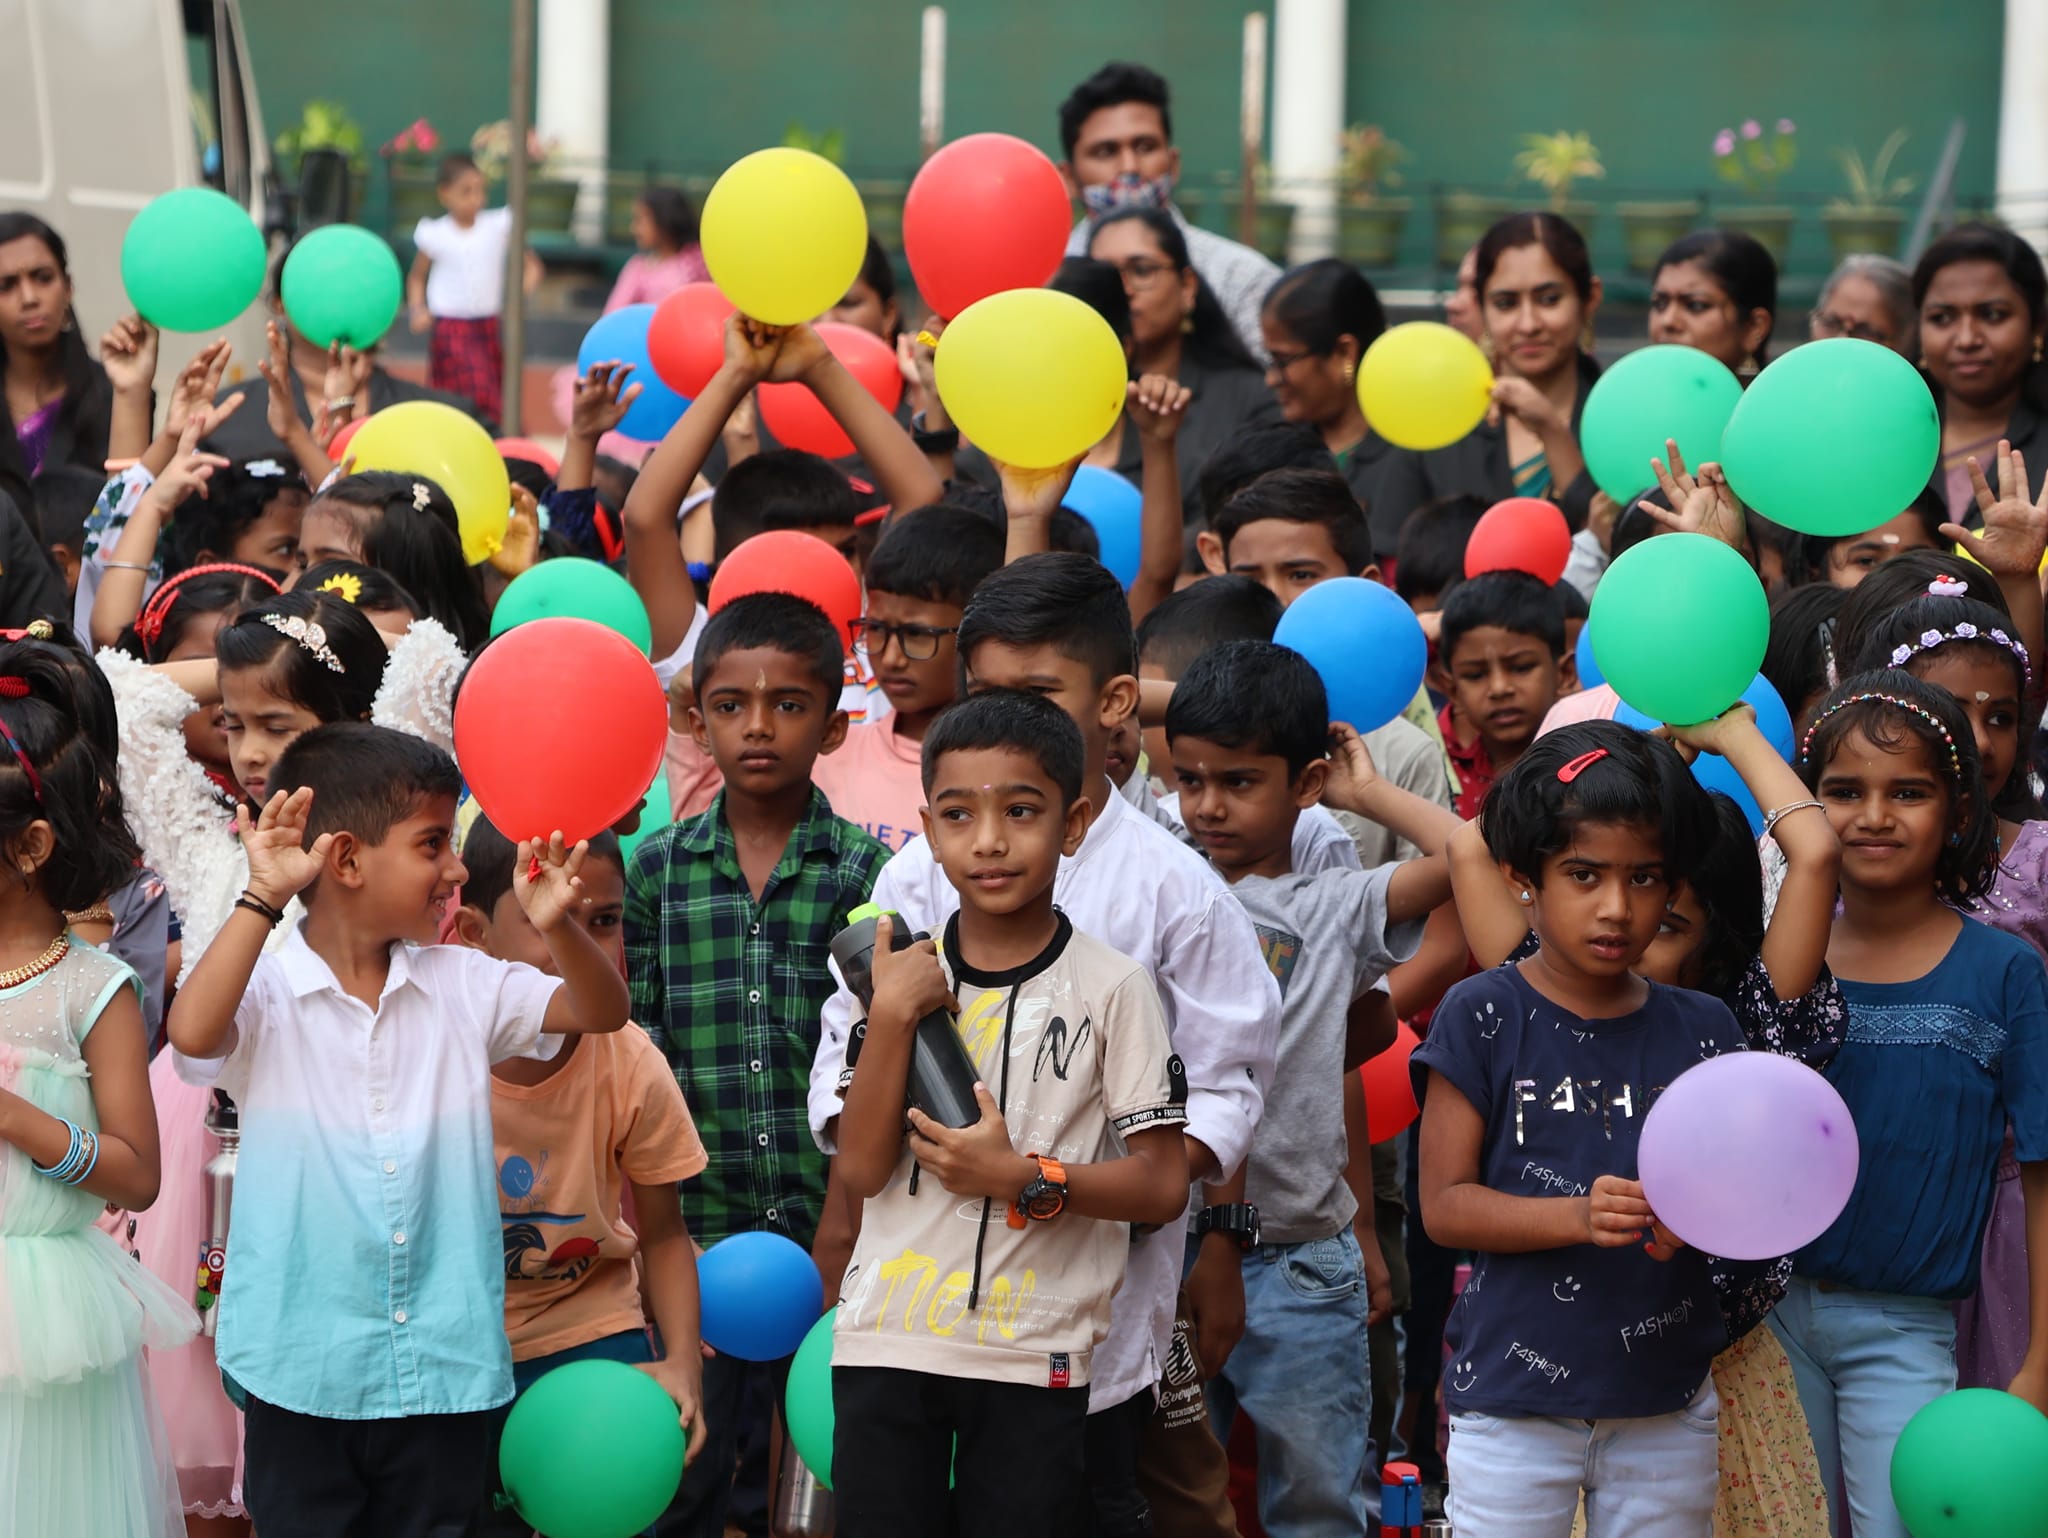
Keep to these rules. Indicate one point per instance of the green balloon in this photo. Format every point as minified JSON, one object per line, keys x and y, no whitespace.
{"x":576,"y":588}
{"x":592,"y":1450}
{"x":1833,"y":438}
{"x":1973,"y":1464}
{"x":192,"y":260}
{"x":1652,"y":394}
{"x":807,"y":1403}
{"x":1679,"y":625}
{"x":342,"y":284}
{"x":655,"y":814}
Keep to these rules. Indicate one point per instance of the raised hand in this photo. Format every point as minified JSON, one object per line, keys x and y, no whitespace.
{"x":547,"y":881}
{"x":345,"y":392}
{"x":602,"y":399}
{"x":198,"y":382}
{"x":2015,"y":533}
{"x":521,"y":546}
{"x":188,"y":472}
{"x":915,"y":361}
{"x":1352,"y":771}
{"x":1715,"y":736}
{"x":1514,"y":396}
{"x":280,"y":864}
{"x":1700,"y":504}
{"x":1157,"y":405}
{"x":128,"y":353}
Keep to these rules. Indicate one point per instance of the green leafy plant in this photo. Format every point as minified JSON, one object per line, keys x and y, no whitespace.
{"x":1872,"y":185}
{"x":1753,"y":160}
{"x":323,"y":125}
{"x":1369,"y":159}
{"x":829,"y":142}
{"x":1554,"y":161}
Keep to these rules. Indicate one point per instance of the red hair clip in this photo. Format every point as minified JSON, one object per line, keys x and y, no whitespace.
{"x":13,"y":688}
{"x":1579,"y":766}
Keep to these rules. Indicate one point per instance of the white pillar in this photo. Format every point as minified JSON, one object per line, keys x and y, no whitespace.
{"x":2023,"y":121}
{"x":1308,"y":117}
{"x":574,"y":97}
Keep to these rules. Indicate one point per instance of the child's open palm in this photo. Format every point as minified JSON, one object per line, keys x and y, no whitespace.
{"x":280,"y":864}
{"x":192,"y":395}
{"x":2015,"y":533}
{"x":187,"y":473}
{"x":602,"y":398}
{"x":547,"y":881}
{"x":1700,"y":504}
{"x":1352,"y":771}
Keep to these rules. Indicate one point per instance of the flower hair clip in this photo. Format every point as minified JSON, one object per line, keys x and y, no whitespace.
{"x":264,"y":469}
{"x":312,"y":637}
{"x":1948,"y":587}
{"x":1927,"y":640}
{"x":422,"y":496}
{"x":346,"y":586}
{"x":1955,"y":762}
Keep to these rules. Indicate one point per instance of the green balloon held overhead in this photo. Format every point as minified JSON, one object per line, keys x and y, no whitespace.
{"x":1679,"y":625}
{"x":342,"y":284}
{"x":1973,"y":1464}
{"x":1652,"y":394}
{"x":1833,"y":438}
{"x":592,"y":1450}
{"x":192,"y":260}
{"x":575,"y":588}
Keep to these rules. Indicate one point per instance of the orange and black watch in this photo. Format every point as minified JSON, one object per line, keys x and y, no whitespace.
{"x":1045,"y":1198}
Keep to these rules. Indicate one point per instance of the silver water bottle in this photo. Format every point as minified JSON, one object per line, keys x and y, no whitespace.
{"x":225,"y":1123}
{"x":803,"y":1507}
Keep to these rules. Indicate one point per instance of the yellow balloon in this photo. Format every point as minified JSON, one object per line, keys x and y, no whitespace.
{"x":1423,"y":385}
{"x":1032,"y":376}
{"x":448,"y":448}
{"x":784,"y":235}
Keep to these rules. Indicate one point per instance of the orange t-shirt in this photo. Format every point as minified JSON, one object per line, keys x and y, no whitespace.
{"x":565,"y":1150}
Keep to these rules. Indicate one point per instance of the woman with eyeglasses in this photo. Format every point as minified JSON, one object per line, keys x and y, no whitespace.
{"x":1716,"y":290}
{"x":1982,"y":299}
{"x":1868,"y":298}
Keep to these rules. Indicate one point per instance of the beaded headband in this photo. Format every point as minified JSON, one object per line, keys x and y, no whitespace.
{"x":1949,"y":587}
{"x":1955,"y":762}
{"x":149,"y":624}
{"x":310,"y":636}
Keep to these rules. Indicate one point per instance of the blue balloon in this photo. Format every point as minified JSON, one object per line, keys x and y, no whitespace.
{"x":1590,"y":676}
{"x":1365,"y":643}
{"x":759,"y":1294}
{"x":1111,"y":505}
{"x":1715,"y":772}
{"x":621,"y":337}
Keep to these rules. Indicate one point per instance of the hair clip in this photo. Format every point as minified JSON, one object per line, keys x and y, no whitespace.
{"x":345,"y":585}
{"x":312,"y":637}
{"x":1947,"y":587}
{"x":1963,"y":631}
{"x":263,"y":469}
{"x":149,"y":625}
{"x":12,"y":687}
{"x":35,"y":781}
{"x":422,"y":496}
{"x":35,"y":630}
{"x":1955,"y":762}
{"x":1579,"y":766}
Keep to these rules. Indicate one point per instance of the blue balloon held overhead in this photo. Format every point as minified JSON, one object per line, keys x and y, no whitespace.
{"x":1715,"y":772}
{"x":1364,"y":642}
{"x":621,"y":337}
{"x":1112,"y":507}
{"x":759,"y":1296}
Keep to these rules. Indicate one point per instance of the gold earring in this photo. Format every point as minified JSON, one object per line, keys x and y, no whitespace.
{"x":2037,"y":349}
{"x":1350,"y":374}
{"x":1486,"y":347}
{"x":1187,"y":322}
{"x":1587,"y":341}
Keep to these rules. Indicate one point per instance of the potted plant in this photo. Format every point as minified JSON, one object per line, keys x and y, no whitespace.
{"x":550,"y":198}
{"x":409,"y":156}
{"x":1555,"y":161}
{"x":326,"y":125}
{"x":1368,"y":225}
{"x":1867,"y":220}
{"x":1754,"y":162}
{"x":1272,"y":218}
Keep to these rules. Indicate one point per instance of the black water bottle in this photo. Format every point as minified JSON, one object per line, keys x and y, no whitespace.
{"x":942,"y":1075}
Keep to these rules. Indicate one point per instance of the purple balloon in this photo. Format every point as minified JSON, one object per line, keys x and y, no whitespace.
{"x":1748,"y":1156}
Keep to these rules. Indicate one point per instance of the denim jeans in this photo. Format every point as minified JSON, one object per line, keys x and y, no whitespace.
{"x":1304,"y":1376}
{"x":1650,"y":1477}
{"x":1865,"y":1363}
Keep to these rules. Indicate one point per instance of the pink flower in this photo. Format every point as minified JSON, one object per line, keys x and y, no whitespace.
{"x":1752,"y":129}
{"x":1786,"y":127}
{"x":425,"y":138}
{"x":1724,"y":142}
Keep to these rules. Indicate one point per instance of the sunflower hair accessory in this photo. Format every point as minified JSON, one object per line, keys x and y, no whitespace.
{"x":310,"y":636}
{"x":1955,"y":762}
{"x":1927,"y":640}
{"x":344,"y":585}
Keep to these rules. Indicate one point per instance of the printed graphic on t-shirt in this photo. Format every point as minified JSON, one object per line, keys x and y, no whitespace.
{"x":536,"y":1248}
{"x":1058,"y":1046}
{"x":1281,"y":950}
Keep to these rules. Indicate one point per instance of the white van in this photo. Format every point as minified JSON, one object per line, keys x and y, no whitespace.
{"x":104,"y":104}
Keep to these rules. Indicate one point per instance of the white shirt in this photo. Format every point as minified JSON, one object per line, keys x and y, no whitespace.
{"x":1138,"y":890}
{"x":467,"y":278}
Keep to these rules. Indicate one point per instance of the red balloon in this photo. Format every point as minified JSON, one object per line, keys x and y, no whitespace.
{"x":796,"y":417}
{"x":527,"y":449}
{"x":340,"y":440}
{"x":560,"y":725}
{"x":1389,"y":1093}
{"x":1521,"y":534}
{"x":986,"y":213}
{"x":784,"y":561}
{"x":686,"y":337}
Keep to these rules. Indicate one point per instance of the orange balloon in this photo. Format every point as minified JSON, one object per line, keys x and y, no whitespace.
{"x":1390,"y":1104}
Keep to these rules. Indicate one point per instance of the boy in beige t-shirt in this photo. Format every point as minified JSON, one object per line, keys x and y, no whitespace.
{"x":981,"y":1281}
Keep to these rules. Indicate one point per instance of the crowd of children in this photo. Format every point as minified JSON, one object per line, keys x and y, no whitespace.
{"x":494,"y":1094}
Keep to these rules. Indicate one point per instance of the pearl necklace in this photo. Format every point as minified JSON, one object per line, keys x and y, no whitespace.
{"x":59,"y":948}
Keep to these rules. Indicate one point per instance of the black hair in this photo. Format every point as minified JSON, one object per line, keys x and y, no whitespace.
{"x":1729,"y":882}
{"x":1099,"y":286}
{"x":1255,"y":451}
{"x":779,"y":489}
{"x":365,"y":779}
{"x":79,"y":797}
{"x":1430,"y":554}
{"x":64,"y":496}
{"x":1740,"y":264}
{"x":1800,"y":658}
{"x":1210,"y":338}
{"x":1930,"y":506}
{"x":1899,"y":581}
{"x":369,"y":588}
{"x":420,"y":546}
{"x":877,"y":271}
{"x":1323,"y":301}
{"x":86,"y":407}
{"x":778,"y":622}
{"x":1969,"y":856}
{"x":1632,"y":525}
{"x":1066,"y":601}
{"x":1112,"y":86}
{"x":1571,"y":601}
{"x":1017,"y":720}
{"x":1070,"y":533}
{"x":206,"y":527}
{"x":189,"y":596}
{"x":1257,"y":696}
{"x":1557,"y":235}
{"x":252,"y":641}
{"x":1530,"y":814}
{"x":528,"y":473}
{"x":938,"y":554}
{"x":91,"y":691}
{"x":453,"y":167}
{"x":491,"y":858}
{"x":1512,"y":601}
{"x":672,"y":213}
{"x":1976,"y":242}
{"x":1183,"y":625}
{"x":1302,"y":496}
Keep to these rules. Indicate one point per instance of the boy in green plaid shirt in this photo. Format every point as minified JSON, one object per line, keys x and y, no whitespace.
{"x":729,"y":917}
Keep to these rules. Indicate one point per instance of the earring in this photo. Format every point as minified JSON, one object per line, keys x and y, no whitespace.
{"x":1486,"y":347}
{"x":1587,"y":341}
{"x":2037,"y":349}
{"x":1524,"y":896}
{"x":1187,"y":323}
{"x":1750,"y":367}
{"x":1350,"y":374}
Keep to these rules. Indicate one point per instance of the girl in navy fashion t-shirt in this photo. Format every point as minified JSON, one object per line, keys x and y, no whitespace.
{"x":1581,"y":1346}
{"x":1947,"y":1043}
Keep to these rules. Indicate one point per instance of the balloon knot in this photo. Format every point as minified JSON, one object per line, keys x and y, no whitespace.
{"x":928,"y":340}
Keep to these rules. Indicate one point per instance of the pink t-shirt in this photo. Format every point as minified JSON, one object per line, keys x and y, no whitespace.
{"x":649,"y":279}
{"x":874,"y":780}
{"x":1595,"y":704}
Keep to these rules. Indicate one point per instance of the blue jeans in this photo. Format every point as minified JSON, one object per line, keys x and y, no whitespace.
{"x":1653,"y":1476}
{"x":1303,"y":1373}
{"x":1865,"y":1363}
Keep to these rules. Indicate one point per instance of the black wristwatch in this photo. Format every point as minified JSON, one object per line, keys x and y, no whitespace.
{"x":1238,"y":1220}
{"x":942,"y":440}
{"x":1045,"y":1198}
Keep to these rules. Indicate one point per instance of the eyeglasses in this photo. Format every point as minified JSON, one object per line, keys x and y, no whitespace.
{"x":920,"y":643}
{"x":1825,"y":325}
{"x":1143,"y":271}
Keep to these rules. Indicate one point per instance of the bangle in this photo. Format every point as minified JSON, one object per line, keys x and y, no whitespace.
{"x":62,"y":1169}
{"x":141,"y":566}
{"x":340,"y":402}
{"x":1771,"y":817}
{"x":256,"y":905}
